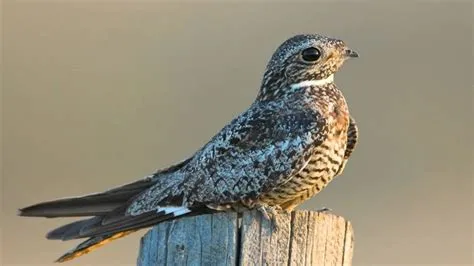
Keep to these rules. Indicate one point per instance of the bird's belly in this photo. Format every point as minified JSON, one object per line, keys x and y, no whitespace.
{"x":320,"y":170}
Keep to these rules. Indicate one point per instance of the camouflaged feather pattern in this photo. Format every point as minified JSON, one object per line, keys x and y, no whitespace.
{"x":260,"y":149}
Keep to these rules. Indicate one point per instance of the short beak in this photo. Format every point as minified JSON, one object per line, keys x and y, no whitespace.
{"x":351,"y":53}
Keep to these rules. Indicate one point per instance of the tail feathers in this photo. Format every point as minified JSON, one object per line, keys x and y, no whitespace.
{"x":91,"y":244}
{"x":100,"y":234}
{"x":110,"y":219}
{"x":71,"y":230}
{"x":95,"y":226}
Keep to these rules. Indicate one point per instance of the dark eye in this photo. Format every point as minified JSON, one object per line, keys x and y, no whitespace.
{"x":311,"y":54}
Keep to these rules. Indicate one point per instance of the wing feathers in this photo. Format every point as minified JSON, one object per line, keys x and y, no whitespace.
{"x":177,"y":211}
{"x":257,"y":151}
{"x":99,"y":203}
{"x":89,"y":205}
{"x":110,"y":220}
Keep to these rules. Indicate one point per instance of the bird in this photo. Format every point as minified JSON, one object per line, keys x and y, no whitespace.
{"x":293,"y":139}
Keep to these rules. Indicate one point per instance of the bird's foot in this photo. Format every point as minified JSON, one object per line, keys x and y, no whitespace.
{"x":324,"y":209}
{"x":270,"y":213}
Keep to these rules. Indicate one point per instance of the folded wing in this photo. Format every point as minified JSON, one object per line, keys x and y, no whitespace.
{"x":257,"y":151}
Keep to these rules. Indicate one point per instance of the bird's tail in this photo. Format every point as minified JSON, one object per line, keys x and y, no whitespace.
{"x":91,"y":244}
{"x":109,"y":219}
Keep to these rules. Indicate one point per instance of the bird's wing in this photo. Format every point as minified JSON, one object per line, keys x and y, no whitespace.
{"x":98,"y":203}
{"x":257,"y":151}
{"x":108,"y":208}
{"x":352,"y":138}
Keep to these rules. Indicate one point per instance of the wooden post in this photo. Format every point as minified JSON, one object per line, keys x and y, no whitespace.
{"x":302,"y":238}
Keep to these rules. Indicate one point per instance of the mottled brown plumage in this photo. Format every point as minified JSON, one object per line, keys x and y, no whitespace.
{"x":286,"y":147}
{"x":327,"y":158}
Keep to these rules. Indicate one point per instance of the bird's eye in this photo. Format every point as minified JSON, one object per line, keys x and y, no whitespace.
{"x":311,"y":54}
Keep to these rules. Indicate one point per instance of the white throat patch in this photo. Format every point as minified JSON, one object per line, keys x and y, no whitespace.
{"x":316,"y":82}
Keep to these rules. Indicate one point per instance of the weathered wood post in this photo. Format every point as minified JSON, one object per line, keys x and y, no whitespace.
{"x":303,"y":238}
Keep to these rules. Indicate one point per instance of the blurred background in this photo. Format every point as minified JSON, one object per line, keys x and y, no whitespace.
{"x":100,"y":94}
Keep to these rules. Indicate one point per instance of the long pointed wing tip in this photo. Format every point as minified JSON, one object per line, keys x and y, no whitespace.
{"x":27,"y":212}
{"x":21,"y":212}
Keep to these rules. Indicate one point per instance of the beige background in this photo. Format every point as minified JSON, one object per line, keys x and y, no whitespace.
{"x":99,"y":94}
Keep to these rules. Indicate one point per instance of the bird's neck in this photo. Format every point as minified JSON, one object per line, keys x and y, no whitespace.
{"x":276,"y":86}
{"x":313,"y":82}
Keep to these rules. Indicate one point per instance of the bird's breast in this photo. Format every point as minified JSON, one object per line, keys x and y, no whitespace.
{"x":327,"y":156}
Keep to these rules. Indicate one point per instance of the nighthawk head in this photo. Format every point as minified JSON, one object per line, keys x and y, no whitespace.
{"x":310,"y":59}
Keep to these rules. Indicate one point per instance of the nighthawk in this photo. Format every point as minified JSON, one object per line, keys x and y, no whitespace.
{"x":287,"y":146}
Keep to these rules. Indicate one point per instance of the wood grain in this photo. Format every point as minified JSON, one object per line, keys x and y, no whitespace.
{"x":299,"y":238}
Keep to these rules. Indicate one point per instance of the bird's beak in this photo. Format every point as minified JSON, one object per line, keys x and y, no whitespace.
{"x":348,"y":53}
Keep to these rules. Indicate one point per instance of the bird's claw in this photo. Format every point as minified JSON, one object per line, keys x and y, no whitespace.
{"x":270,"y":213}
{"x":324,"y":209}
